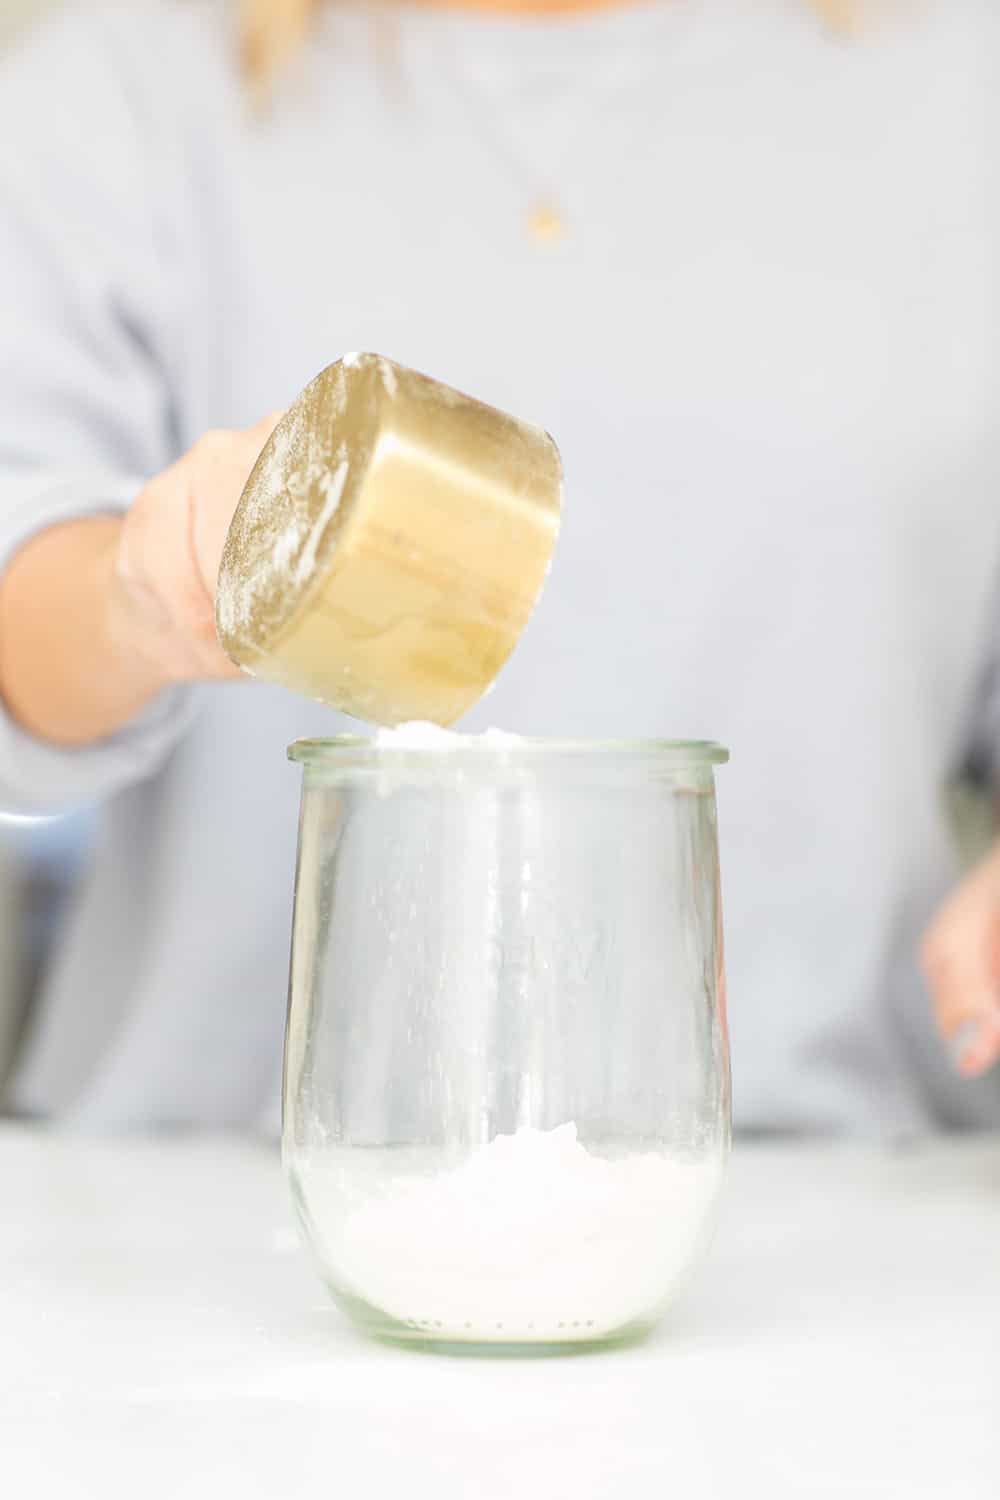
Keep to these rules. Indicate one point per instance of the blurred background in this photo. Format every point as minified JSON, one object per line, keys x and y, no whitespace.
{"x":38,"y":860}
{"x":818,"y":356}
{"x":15,"y":13}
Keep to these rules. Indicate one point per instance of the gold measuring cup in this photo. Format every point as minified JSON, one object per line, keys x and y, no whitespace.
{"x":390,"y":544}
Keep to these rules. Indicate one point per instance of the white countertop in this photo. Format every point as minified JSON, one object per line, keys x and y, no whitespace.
{"x":163,"y":1336}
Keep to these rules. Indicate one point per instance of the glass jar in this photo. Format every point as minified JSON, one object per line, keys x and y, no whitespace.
{"x":506,"y":1097}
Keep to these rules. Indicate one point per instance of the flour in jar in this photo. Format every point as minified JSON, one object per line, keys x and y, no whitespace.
{"x":419,"y":735}
{"x":531,"y":1238}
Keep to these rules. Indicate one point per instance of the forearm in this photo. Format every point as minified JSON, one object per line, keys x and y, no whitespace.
{"x":98,"y":616}
{"x":76,"y":664}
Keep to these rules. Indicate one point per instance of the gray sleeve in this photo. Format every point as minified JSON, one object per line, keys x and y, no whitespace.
{"x":86,"y":373}
{"x":973,"y":790}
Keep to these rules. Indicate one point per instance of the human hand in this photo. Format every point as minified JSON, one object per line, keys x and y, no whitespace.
{"x":960,"y":956}
{"x":168,"y":552}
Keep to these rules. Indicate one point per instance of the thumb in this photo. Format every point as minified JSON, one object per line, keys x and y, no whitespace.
{"x":261,"y":431}
{"x":960,"y":960}
{"x":975,"y":1047}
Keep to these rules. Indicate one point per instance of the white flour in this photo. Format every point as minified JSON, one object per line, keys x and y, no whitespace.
{"x":418,"y":735}
{"x":531,"y":1239}
{"x":279,"y":527}
{"x":331,"y":482}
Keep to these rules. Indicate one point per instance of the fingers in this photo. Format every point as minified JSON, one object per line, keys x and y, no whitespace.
{"x":257,"y":435}
{"x":975,"y":1047}
{"x":251,"y":441}
{"x":227,"y":456}
{"x":962,"y":966}
{"x":172,"y":541}
{"x":266,"y":425}
{"x":217,"y":469}
{"x":962,"y":986}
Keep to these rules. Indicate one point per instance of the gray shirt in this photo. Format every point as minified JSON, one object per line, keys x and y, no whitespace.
{"x":767,"y":349}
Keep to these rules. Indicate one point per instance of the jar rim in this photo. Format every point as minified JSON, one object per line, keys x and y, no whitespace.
{"x":359,"y":751}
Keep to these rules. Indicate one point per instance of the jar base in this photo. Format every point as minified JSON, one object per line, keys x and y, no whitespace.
{"x":474,"y":1342}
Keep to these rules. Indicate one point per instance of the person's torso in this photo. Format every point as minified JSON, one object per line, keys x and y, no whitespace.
{"x":764,"y":346}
